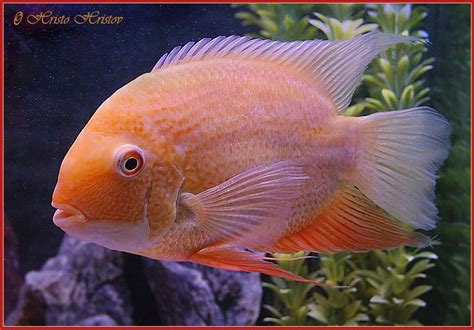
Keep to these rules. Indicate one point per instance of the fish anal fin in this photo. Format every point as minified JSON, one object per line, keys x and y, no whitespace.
{"x":351,"y":222}
{"x":244,"y":261}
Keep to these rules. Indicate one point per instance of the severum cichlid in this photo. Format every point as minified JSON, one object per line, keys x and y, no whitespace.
{"x":233,"y":146}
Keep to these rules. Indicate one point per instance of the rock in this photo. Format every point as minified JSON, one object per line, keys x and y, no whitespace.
{"x":191,"y":294}
{"x":86,"y":284}
{"x":30,"y":310}
{"x":83,"y":284}
{"x":238,"y":294}
{"x":13,"y":279}
{"x":102,"y":319}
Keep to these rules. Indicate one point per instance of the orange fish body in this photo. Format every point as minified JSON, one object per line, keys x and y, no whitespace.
{"x":220,"y":153}
{"x":214,"y":136}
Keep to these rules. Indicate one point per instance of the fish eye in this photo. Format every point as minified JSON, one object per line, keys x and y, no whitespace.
{"x":129,"y":160}
{"x":131,"y":164}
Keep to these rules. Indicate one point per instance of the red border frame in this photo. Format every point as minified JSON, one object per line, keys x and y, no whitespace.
{"x":214,"y":2}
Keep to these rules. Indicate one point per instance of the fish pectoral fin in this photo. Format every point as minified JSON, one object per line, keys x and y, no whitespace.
{"x":245,"y":261}
{"x":251,"y":207}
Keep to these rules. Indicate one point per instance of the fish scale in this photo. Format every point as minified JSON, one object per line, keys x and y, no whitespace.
{"x":222,"y":139}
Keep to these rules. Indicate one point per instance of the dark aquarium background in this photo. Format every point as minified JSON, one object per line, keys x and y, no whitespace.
{"x":57,"y":75}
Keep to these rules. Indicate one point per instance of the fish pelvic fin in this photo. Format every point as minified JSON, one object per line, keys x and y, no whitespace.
{"x":350,"y":222}
{"x":400,"y":155}
{"x":335,"y":67}
{"x":245,"y":261}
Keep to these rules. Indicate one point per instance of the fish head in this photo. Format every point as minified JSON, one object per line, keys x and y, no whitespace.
{"x":116,"y":188}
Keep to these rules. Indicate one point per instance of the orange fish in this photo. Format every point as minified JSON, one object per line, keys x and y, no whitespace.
{"x":234,"y":146}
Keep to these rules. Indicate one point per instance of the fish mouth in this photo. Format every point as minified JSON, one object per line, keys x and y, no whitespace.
{"x":67,"y":215}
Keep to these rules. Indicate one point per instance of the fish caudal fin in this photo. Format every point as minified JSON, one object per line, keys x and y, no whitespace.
{"x":401,"y":152}
{"x":245,"y":261}
{"x":350,"y":222}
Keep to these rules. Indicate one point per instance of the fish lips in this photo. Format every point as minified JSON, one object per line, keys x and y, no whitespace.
{"x":67,"y":215}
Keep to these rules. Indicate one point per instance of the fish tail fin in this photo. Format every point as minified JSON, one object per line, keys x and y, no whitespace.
{"x":401,"y":153}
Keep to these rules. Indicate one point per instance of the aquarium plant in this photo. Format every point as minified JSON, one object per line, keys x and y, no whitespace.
{"x":451,"y":96}
{"x":342,"y":28}
{"x":279,"y":21}
{"x":384,"y":287}
{"x":378,"y":288}
{"x":395,"y":79}
{"x":293,"y":297}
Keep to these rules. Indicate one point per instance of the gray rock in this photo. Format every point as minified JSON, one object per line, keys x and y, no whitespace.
{"x":191,"y":294}
{"x":30,"y":309}
{"x":238,"y":294}
{"x":86,"y":284}
{"x":98,"y":320}
{"x":13,"y":279}
{"x":83,"y":283}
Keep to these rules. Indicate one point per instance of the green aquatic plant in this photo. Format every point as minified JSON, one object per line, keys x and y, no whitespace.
{"x":398,"y":19}
{"x":451,"y":81}
{"x":375,"y":288}
{"x":395,"y":79}
{"x":338,"y":306}
{"x":342,"y":11}
{"x":289,"y":22}
{"x":280,"y":21}
{"x":293,"y":296}
{"x":381,"y":285}
{"x":335,"y":29}
{"x":390,"y":283}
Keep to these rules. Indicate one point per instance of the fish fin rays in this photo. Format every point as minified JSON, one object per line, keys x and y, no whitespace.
{"x":335,"y":67}
{"x":402,"y":151}
{"x":239,"y":260}
{"x":250,"y":208}
{"x":351,"y":222}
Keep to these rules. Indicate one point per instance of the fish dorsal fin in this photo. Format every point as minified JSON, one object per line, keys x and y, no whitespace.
{"x":336,"y":67}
